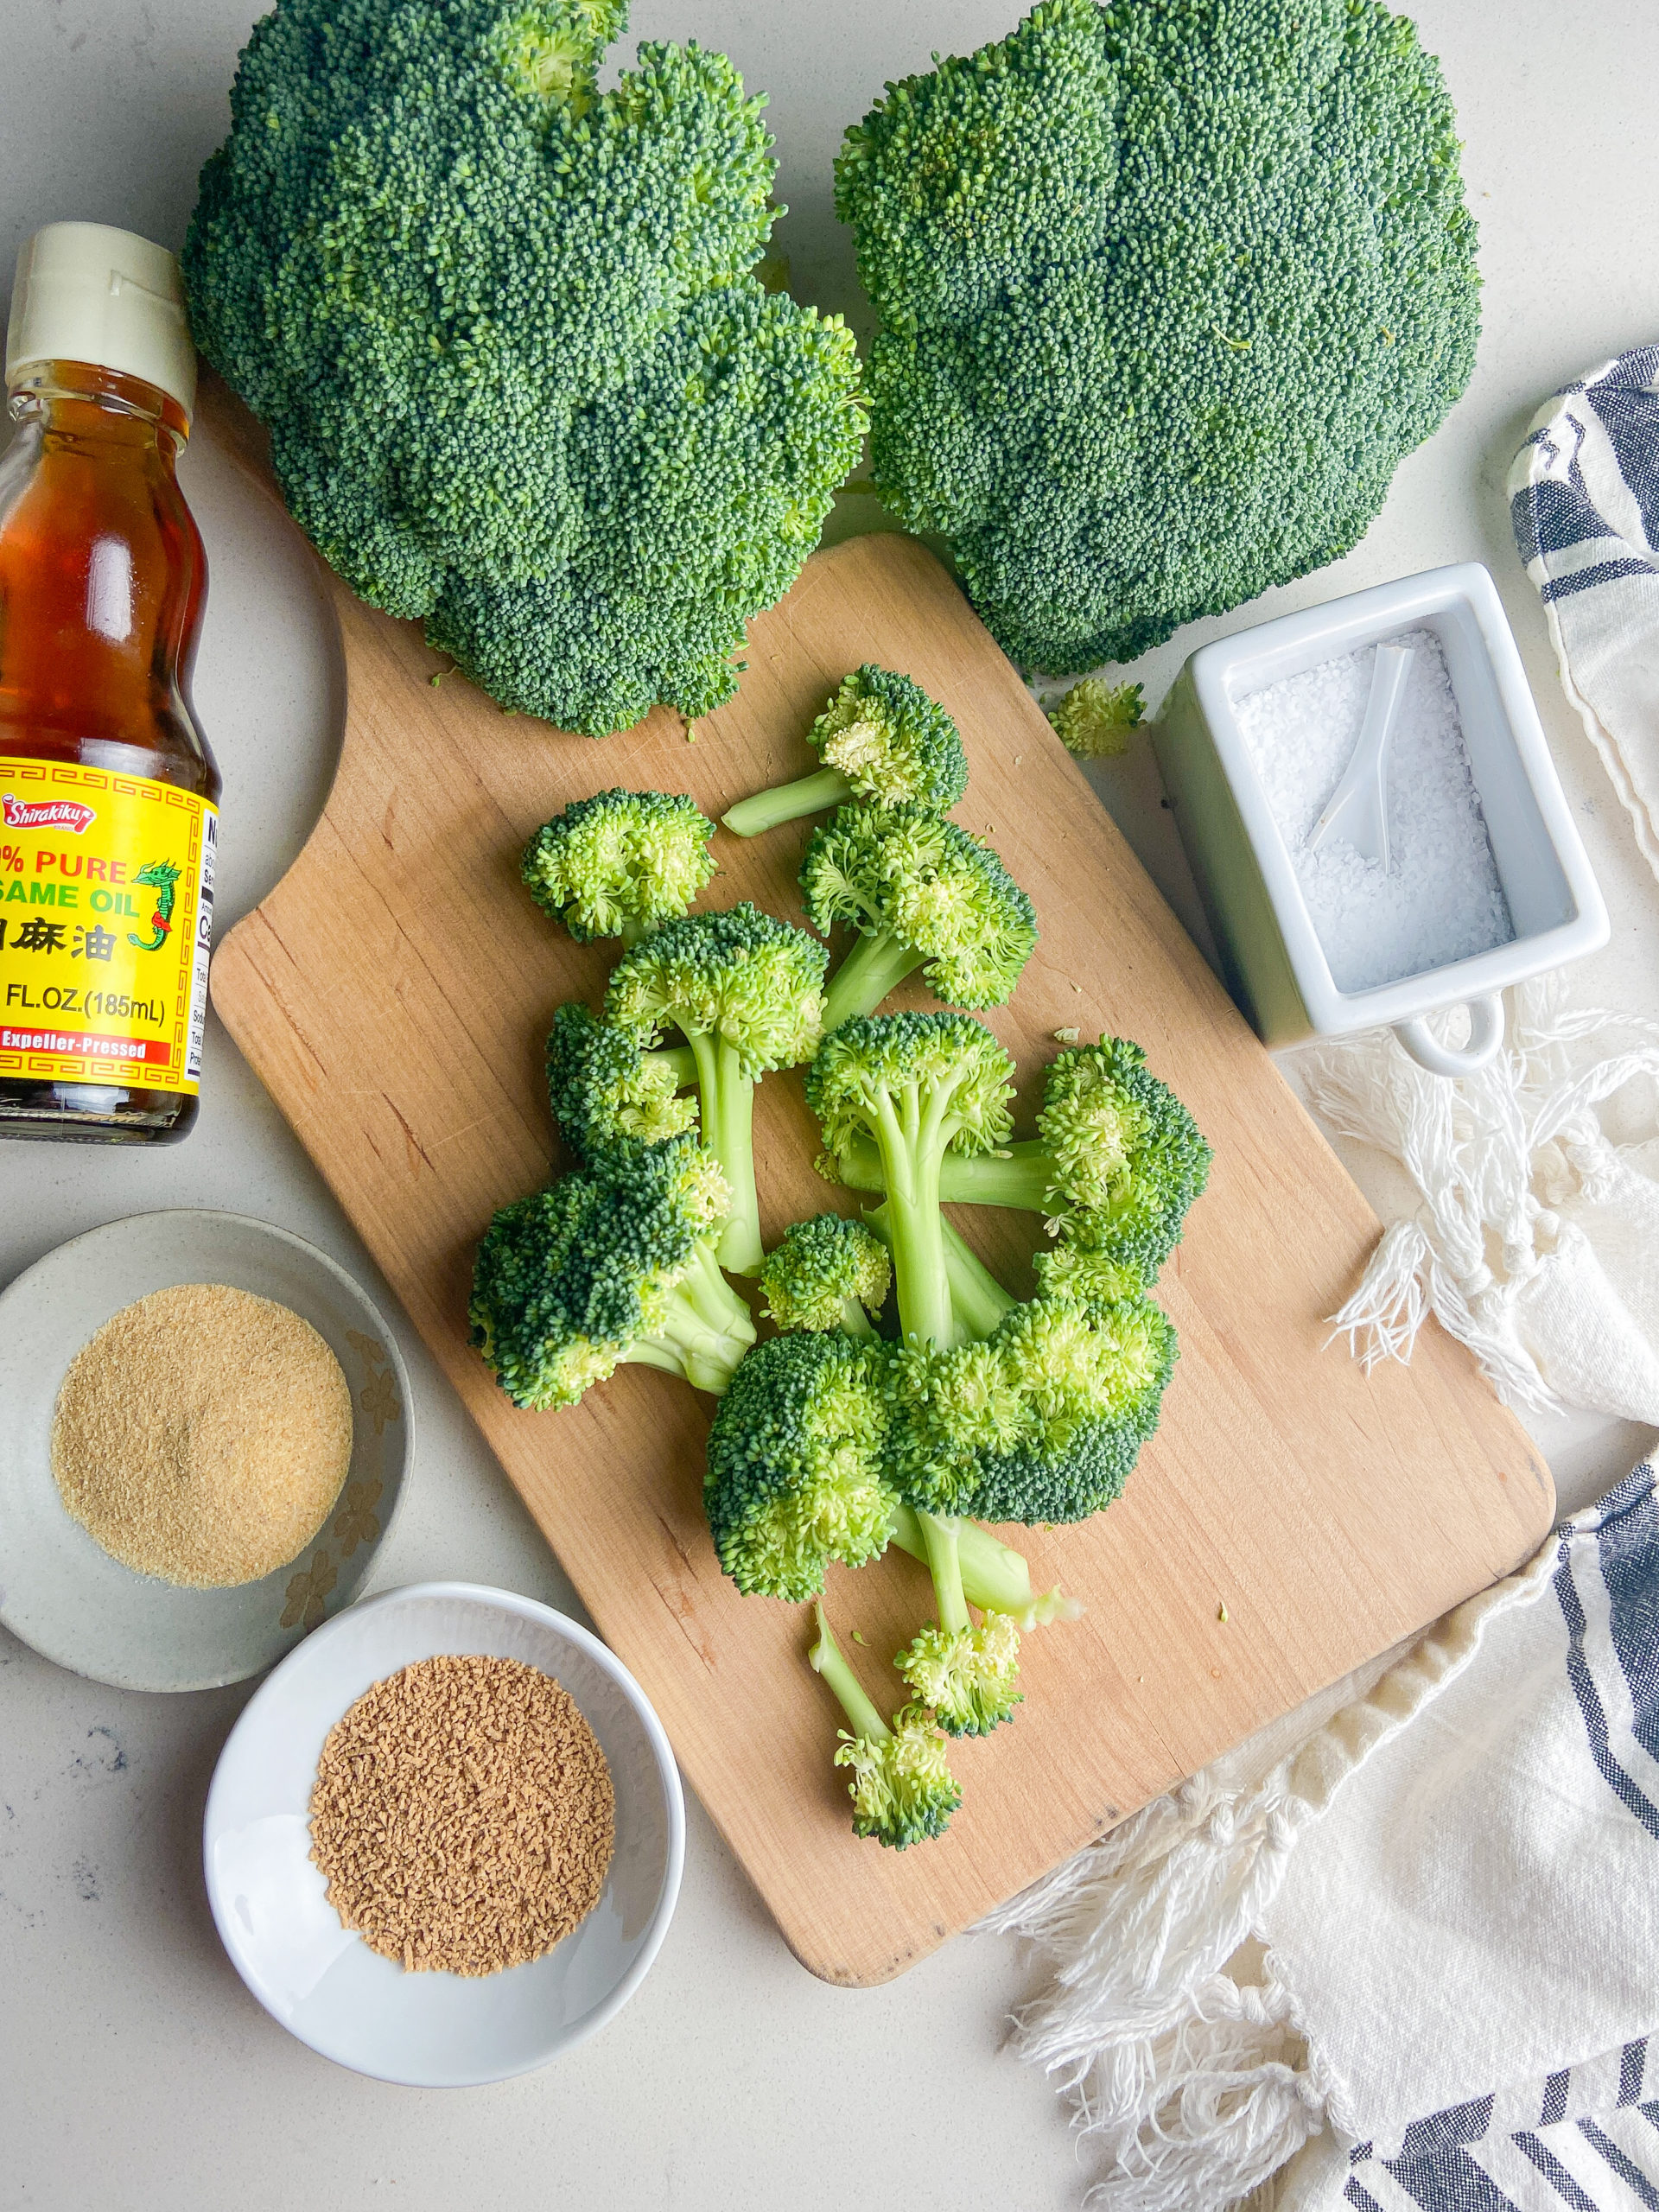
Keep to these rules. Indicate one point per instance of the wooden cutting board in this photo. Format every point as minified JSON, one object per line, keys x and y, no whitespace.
{"x":393,"y":994}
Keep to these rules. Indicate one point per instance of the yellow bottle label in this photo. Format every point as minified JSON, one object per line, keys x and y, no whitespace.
{"x":106,"y":905}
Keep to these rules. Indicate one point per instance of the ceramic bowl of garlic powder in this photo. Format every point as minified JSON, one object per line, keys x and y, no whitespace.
{"x":204,"y":1436}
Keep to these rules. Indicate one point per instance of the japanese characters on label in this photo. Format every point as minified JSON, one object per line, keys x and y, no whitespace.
{"x":106,"y":924}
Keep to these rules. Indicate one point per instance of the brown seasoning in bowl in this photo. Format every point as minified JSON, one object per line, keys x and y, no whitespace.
{"x":463,"y":1816}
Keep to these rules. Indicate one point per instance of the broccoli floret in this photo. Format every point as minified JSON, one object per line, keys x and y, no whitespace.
{"x":614,"y":1263}
{"x":617,"y":864}
{"x":746,"y":993}
{"x":1165,"y":294}
{"x":880,"y":737}
{"x":1118,"y":1165}
{"x":522,"y":380}
{"x":902,"y":1789}
{"x":605,"y":1092}
{"x":922,"y":893}
{"x":1094,"y":719}
{"x":919,"y":1085}
{"x":825,"y":1275}
{"x":1040,"y":1422}
{"x":1038,"y":1416}
{"x":796,"y":1464}
{"x":967,"y":1674}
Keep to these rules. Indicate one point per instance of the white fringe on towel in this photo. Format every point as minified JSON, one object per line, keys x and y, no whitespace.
{"x":1192,"y":2083}
{"x":1190,"y":2078}
{"x":1534,"y":1240}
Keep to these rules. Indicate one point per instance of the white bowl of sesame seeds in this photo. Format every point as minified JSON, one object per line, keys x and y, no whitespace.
{"x":421,"y":2024}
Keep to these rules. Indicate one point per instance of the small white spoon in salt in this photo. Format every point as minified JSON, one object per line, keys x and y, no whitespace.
{"x":1359,"y":807}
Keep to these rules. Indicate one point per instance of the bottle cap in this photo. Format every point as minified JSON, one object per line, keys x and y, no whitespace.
{"x":87,"y":293}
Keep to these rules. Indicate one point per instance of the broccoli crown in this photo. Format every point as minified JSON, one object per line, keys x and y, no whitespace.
{"x":1128,"y":1160}
{"x":937,"y":1081}
{"x":907,"y":873}
{"x":520,"y":378}
{"x":1167,"y":289}
{"x":967,"y":1677}
{"x":902,"y":1789}
{"x":1041,"y":1421}
{"x":891,"y":740}
{"x":821,"y":1267}
{"x":608,"y":1264}
{"x":795,"y":1469}
{"x":620,"y":861}
{"x":755,"y":983}
{"x":1094,"y":719}
{"x":605,"y":1092}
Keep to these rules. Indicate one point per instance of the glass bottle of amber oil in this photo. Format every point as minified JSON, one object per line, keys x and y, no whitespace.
{"x":108,"y":793}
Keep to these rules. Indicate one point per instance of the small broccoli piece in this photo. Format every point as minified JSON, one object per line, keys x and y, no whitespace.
{"x":618,"y":863}
{"x":922,"y":893}
{"x":880,"y":737}
{"x":825,"y":1275}
{"x":1094,"y":719}
{"x":995,"y":1576}
{"x":920,"y":1086}
{"x":613,"y":1263}
{"x":1118,"y":1165}
{"x":967,"y":1674}
{"x":605,"y":1091}
{"x":796,"y":1464}
{"x":523,"y":381}
{"x":902,"y":1789}
{"x":1165,"y":295}
{"x":746,"y":993}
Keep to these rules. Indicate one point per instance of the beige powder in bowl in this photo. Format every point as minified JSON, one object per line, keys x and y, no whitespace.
{"x":202,"y":1435}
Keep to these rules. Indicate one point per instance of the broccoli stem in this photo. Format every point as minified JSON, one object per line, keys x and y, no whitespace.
{"x":878,"y":963}
{"x":911,"y":1146}
{"x":995,"y":1576}
{"x":854,"y":1321}
{"x":681,"y":1058}
{"x":977,"y":1301}
{"x":813,"y":794}
{"x":1020,"y":1175}
{"x":825,"y":1658}
{"x":706,"y":1331}
{"x":726,"y":1097}
{"x":940,"y":1535}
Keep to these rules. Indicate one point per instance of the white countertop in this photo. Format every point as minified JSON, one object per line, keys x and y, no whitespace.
{"x":135,"y":2071}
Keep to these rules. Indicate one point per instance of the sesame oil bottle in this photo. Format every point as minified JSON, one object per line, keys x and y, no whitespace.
{"x":108,"y":792}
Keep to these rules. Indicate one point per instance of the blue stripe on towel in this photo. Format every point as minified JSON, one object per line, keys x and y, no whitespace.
{"x":1628,"y":1546}
{"x":1450,"y":2182}
{"x":1555,"y":2173}
{"x":1605,"y":572}
{"x":1632,"y":2065}
{"x":1630,"y":2174}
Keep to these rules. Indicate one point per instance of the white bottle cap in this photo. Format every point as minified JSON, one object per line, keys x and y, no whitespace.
{"x":87,"y":293}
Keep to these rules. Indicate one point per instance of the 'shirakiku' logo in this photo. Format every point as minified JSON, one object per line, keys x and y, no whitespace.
{"x":46,"y":814}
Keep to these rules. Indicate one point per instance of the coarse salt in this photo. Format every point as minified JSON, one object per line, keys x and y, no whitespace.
{"x":1440,"y":899}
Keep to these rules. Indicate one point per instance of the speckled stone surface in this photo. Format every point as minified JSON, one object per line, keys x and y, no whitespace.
{"x":134,"y":2070}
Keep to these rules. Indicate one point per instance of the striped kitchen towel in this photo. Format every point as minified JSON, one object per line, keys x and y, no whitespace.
{"x":1589,"y":2143}
{"x":1408,"y":1959}
{"x":1583,"y":500}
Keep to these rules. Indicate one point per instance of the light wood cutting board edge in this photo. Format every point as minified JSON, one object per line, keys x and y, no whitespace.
{"x":1443,"y":1371}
